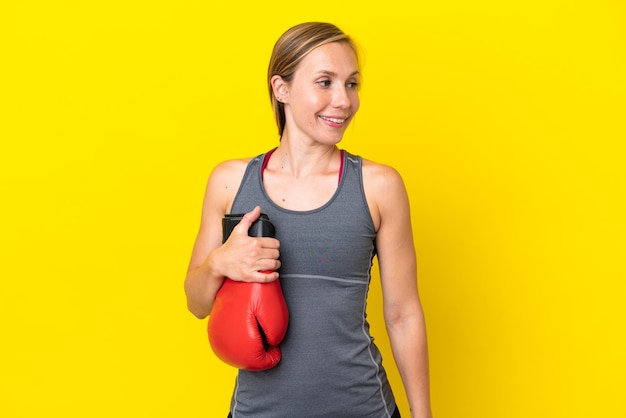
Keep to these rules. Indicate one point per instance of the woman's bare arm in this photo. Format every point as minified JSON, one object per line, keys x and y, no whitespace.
{"x":240,"y":258}
{"x":403,"y":312}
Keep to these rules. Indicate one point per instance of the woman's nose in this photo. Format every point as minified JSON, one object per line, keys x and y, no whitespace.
{"x":341,"y":98}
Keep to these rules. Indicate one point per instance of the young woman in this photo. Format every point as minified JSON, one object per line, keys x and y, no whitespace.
{"x":333,"y":212}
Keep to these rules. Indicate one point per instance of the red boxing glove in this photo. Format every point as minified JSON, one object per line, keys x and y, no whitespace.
{"x":248,"y":320}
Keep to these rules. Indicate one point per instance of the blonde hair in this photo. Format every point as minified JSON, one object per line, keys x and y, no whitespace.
{"x":295,"y":44}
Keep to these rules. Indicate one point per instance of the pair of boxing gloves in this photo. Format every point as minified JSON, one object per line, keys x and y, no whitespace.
{"x":248,"y":320}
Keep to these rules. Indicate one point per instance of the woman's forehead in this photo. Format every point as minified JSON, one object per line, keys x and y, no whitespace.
{"x":335,"y":58}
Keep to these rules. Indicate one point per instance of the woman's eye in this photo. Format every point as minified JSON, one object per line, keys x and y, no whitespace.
{"x":324,"y":83}
{"x":353,"y":85}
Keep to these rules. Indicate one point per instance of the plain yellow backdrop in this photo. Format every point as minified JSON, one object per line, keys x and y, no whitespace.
{"x":506,"y":120}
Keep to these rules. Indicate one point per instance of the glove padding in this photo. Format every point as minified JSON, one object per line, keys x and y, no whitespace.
{"x":248,"y":320}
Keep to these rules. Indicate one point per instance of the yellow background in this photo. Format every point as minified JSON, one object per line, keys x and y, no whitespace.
{"x":506,"y":120}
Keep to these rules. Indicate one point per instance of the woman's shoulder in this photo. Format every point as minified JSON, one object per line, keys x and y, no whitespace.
{"x":227,"y":174}
{"x":224,"y":182}
{"x":230,"y":167}
{"x":384,"y":189}
{"x":235,"y":166}
{"x":380,"y":175}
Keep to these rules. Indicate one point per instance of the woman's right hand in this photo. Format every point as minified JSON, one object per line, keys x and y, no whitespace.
{"x":247,"y":259}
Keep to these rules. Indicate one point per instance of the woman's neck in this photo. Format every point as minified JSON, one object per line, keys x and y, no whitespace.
{"x":299,"y":160}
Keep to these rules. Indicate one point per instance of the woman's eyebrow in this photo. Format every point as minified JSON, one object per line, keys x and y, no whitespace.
{"x":334,"y":74}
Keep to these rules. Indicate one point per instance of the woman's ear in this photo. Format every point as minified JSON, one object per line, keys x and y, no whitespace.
{"x":280,"y":88}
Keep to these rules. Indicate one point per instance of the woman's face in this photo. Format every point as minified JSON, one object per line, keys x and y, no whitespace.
{"x":322,"y":97}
